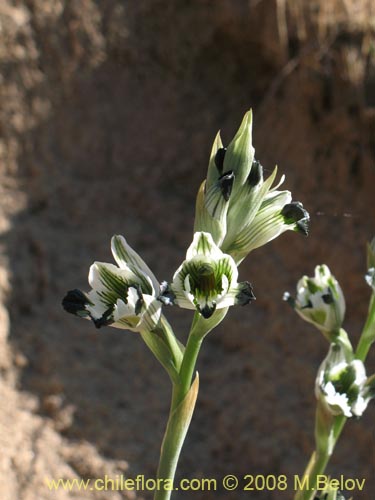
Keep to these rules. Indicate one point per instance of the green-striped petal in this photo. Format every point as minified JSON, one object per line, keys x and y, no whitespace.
{"x":206,"y":222}
{"x":127,"y":258}
{"x":240,"y":152}
{"x":203,"y":245}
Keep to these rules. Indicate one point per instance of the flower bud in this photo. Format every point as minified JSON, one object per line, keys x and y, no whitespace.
{"x":320,"y":301}
{"x":341,"y":383}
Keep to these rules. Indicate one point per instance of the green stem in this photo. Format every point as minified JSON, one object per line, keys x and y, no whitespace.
{"x":319,"y":459}
{"x":181,"y":411}
{"x":189,"y":361}
{"x":318,"y":463}
{"x":169,"y":455}
{"x":184,"y":396}
{"x":368,"y":334}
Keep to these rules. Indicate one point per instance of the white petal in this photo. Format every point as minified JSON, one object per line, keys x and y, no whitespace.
{"x":98,"y":308}
{"x":187,"y":286}
{"x":226,"y":301}
{"x":360,"y":406}
{"x":360,"y":372}
{"x":151,"y":316}
{"x":334,"y":398}
{"x":124,"y":255}
{"x":225,"y":284}
{"x":98,"y":282}
{"x":123,"y":310}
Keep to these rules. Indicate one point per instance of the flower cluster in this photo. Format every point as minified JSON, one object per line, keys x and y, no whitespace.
{"x":237,"y":206}
{"x":236,"y":212}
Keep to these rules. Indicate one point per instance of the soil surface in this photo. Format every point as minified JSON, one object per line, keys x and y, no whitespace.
{"x":107,"y":114}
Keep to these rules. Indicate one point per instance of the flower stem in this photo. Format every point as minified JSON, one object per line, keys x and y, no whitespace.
{"x":319,"y":459}
{"x":318,"y":462}
{"x":316,"y":465}
{"x":368,"y":334}
{"x":184,"y":396}
{"x":170,"y":452}
{"x":188,"y":365}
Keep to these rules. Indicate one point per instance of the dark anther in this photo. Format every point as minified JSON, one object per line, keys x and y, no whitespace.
{"x":303,"y":226}
{"x":166,"y":296}
{"x":294,"y":213}
{"x":219,"y":159}
{"x":226,"y":184}
{"x":256,"y":174}
{"x":245,"y":295}
{"x":74,"y":302}
{"x":289,"y":299}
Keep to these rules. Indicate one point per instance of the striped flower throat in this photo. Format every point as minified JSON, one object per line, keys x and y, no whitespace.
{"x":207,"y":285}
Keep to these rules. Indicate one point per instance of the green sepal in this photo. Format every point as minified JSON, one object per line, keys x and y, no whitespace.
{"x":201,"y":326}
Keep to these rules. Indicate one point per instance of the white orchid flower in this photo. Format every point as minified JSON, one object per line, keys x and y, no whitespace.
{"x":207,"y":279}
{"x":319,"y":300}
{"x":122,"y":296}
{"x":341,"y":384}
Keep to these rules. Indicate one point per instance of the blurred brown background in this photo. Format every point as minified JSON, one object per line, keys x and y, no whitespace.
{"x":107,"y":114}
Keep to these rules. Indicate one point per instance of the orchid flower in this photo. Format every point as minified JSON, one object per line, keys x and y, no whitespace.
{"x":207,"y":279}
{"x":122,"y":296}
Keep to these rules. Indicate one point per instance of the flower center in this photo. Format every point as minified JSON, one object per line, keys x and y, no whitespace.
{"x":205,"y":281}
